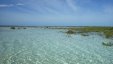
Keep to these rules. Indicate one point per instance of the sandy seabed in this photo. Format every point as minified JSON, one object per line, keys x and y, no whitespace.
{"x":51,"y":46}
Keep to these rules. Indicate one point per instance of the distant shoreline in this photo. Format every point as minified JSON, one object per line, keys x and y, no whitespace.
{"x":49,"y":26}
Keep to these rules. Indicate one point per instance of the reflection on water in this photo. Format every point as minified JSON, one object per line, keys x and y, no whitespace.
{"x":52,"y":46}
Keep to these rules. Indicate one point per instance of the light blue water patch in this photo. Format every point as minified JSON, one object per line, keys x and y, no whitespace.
{"x":52,"y":46}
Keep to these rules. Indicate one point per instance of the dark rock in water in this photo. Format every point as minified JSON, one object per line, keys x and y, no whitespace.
{"x":108,"y":43}
{"x":84,"y":34}
{"x":19,"y":28}
{"x":24,"y":28}
{"x":12,"y":27}
{"x":70,"y":32}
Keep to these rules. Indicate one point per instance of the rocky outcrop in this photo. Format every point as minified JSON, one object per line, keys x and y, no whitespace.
{"x":108,"y":43}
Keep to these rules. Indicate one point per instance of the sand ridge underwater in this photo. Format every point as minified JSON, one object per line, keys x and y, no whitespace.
{"x":52,"y":46}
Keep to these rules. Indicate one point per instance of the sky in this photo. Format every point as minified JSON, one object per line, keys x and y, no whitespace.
{"x":56,"y":12}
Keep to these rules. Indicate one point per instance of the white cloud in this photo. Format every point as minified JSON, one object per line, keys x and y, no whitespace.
{"x":6,"y":5}
{"x":71,"y":4}
{"x":51,"y":10}
{"x":19,"y":4}
{"x":10,"y":5}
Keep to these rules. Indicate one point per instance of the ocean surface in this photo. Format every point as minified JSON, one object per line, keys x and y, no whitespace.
{"x":52,"y":46}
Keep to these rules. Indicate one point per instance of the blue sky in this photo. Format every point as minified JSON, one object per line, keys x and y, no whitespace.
{"x":56,"y":12}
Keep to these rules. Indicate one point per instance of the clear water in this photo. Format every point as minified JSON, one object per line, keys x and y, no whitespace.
{"x":51,"y":46}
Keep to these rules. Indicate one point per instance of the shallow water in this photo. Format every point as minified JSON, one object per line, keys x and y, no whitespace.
{"x":51,"y":46}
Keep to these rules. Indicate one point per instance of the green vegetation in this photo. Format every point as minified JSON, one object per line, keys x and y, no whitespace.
{"x":12,"y":27}
{"x":107,"y":31}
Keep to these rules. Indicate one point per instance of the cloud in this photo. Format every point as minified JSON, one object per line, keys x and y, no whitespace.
{"x":6,"y":5}
{"x":19,"y":4}
{"x":10,"y":5}
{"x":71,"y":4}
{"x":51,"y":10}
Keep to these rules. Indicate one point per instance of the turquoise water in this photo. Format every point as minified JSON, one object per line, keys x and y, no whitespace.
{"x":52,"y":46}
